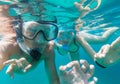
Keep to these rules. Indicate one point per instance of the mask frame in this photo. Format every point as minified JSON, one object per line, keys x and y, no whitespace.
{"x":41,"y":31}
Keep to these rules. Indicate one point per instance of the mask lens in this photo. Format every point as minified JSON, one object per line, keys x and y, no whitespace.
{"x":49,"y":31}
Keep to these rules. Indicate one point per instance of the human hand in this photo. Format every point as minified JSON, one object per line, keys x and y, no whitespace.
{"x":86,"y":9}
{"x":108,"y":54}
{"x":73,"y":73}
{"x":17,"y":65}
{"x":102,"y":53}
{"x":79,"y":5}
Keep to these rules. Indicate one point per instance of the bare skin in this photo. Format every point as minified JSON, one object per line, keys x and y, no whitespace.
{"x":48,"y":53}
{"x":8,"y":36}
{"x":107,"y":55}
{"x":84,"y":11}
{"x":77,"y":72}
{"x":10,"y":49}
{"x":48,"y":68}
{"x":73,"y":41}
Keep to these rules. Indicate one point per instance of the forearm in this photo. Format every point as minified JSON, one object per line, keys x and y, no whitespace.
{"x":4,"y":2}
{"x":116,"y":43}
{"x":86,"y":46}
{"x":93,"y":38}
{"x":51,"y":70}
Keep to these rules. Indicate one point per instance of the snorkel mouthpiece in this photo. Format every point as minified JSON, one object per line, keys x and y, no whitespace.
{"x":35,"y":54}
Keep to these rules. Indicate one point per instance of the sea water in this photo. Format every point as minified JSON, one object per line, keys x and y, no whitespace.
{"x":108,"y":15}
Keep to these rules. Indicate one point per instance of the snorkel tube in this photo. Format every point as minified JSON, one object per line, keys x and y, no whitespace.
{"x":35,"y":52}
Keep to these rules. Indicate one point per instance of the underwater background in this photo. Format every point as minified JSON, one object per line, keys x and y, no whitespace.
{"x":107,"y":15}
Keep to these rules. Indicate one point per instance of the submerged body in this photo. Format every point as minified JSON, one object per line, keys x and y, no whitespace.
{"x":10,"y":50}
{"x":48,"y":47}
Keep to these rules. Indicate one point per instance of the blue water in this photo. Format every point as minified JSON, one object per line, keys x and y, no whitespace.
{"x":109,"y":14}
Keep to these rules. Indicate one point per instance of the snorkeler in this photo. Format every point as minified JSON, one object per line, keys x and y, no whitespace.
{"x":21,"y":49}
{"x":71,"y":46}
{"x":68,"y":43}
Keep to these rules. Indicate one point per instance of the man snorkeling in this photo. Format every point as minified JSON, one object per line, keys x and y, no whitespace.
{"x":24,"y":50}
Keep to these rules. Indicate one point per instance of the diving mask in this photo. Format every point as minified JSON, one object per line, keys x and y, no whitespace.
{"x":32,"y":29}
{"x":45,"y":27}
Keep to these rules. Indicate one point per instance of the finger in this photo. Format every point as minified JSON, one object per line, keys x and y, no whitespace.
{"x":85,"y":66}
{"x":106,"y":48}
{"x":10,"y":70}
{"x":22,"y":59}
{"x":27,"y":68}
{"x":62,"y":70}
{"x":10,"y":62}
{"x":69,"y":66}
{"x":73,"y":64}
{"x":91,"y":71}
{"x":94,"y":81}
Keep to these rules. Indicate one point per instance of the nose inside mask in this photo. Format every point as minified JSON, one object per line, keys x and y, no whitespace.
{"x":40,"y":38}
